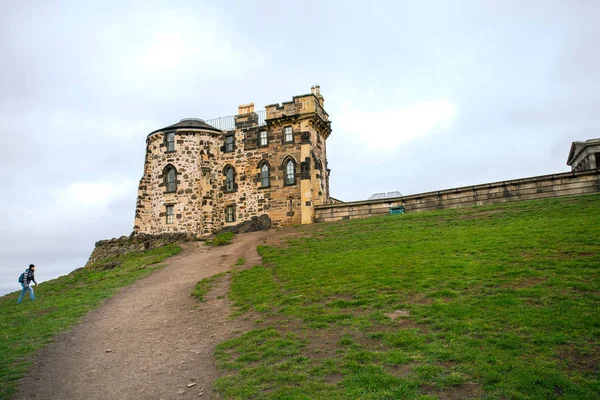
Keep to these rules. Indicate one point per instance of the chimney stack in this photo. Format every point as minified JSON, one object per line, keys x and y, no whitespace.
{"x":319,"y":96}
{"x":246,"y":108}
{"x":312,"y":89}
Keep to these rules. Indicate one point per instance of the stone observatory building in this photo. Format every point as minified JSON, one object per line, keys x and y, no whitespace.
{"x":201,"y":176}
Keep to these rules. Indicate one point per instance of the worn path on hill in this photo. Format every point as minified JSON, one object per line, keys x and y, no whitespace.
{"x":152,"y":339}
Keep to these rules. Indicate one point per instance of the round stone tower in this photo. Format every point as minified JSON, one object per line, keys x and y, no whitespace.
{"x":178,"y":172}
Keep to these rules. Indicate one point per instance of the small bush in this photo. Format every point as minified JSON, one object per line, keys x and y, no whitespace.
{"x":222,"y":239}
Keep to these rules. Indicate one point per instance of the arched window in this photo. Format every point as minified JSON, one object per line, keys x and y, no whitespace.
{"x":170,"y":178}
{"x":290,"y":172}
{"x":229,"y":179}
{"x":264,"y":176}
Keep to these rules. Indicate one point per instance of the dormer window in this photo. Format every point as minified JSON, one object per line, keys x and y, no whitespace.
{"x":288,"y":137}
{"x":170,"y":141}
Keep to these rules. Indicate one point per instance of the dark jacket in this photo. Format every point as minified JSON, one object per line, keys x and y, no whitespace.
{"x":29,"y":277}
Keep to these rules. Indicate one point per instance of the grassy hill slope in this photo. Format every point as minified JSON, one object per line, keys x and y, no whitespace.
{"x":489,"y":302}
{"x":61,"y":303}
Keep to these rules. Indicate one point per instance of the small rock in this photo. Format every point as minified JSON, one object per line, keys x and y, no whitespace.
{"x":181,"y":391}
{"x":191,"y":384}
{"x":108,"y":351}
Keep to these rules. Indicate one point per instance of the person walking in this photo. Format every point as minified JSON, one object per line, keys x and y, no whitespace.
{"x":28,"y":277}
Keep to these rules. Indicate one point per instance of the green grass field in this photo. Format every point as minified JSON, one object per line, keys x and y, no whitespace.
{"x":27,"y":327}
{"x":489,"y":302}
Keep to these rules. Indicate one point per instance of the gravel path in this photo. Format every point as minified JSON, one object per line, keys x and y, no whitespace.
{"x":152,"y":340}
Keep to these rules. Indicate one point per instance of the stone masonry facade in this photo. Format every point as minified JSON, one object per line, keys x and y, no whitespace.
{"x":199,"y":179}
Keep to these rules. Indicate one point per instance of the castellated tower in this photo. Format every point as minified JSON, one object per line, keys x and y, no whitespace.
{"x":202,"y":176}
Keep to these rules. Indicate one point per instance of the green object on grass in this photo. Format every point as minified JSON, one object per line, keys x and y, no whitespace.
{"x":397,"y":210}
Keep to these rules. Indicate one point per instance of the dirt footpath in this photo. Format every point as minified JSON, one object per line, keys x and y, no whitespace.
{"x":152,"y":340}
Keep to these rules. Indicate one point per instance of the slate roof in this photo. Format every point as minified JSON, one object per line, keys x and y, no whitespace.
{"x":193,"y":123}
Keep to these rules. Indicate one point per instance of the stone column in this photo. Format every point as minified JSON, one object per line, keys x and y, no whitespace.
{"x":592,"y":160}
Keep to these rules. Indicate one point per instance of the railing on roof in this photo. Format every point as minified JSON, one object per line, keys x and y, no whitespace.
{"x":388,"y":195}
{"x":228,"y":123}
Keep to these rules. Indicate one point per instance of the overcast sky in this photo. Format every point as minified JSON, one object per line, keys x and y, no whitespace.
{"x":423,"y":95}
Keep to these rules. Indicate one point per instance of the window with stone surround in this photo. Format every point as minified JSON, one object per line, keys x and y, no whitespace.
{"x":263,"y":139}
{"x":170,"y":141}
{"x":170,"y":178}
{"x":230,"y":213}
{"x":264,"y":176}
{"x":290,"y":172}
{"x":229,"y":179}
{"x":288,"y":136}
{"x":229,"y":144}
{"x":170,"y":214}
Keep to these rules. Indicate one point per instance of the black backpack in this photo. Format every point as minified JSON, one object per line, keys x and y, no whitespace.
{"x":22,"y":278}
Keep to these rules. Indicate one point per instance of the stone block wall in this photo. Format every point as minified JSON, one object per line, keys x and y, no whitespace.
{"x":565,"y":184}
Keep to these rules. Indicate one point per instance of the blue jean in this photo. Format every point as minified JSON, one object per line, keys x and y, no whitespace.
{"x":25,"y":289}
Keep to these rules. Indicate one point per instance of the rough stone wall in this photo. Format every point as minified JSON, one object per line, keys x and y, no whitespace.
{"x":193,"y":158}
{"x":311,"y":128}
{"x":566,"y":184}
{"x":113,"y":248}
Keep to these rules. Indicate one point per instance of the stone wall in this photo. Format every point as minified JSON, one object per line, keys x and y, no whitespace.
{"x":107,"y":249}
{"x":194,"y":157}
{"x":565,"y":184}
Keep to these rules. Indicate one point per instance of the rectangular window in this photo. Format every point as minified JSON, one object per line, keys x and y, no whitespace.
{"x":229,"y":141}
{"x":305,"y":170}
{"x":263,"y":139}
{"x":170,"y":141}
{"x":170,"y":215}
{"x":230,"y":214}
{"x":287,"y":134}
